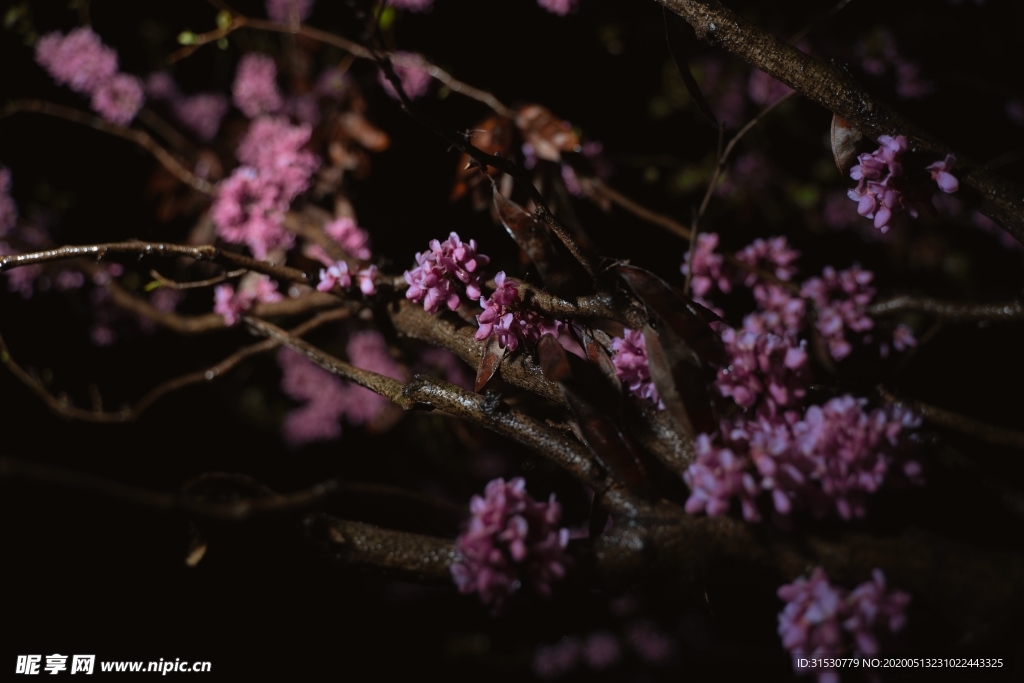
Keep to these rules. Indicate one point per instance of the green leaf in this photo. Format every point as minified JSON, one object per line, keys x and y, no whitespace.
{"x":155,"y":284}
{"x":224,"y":19}
{"x":387,"y":18}
{"x":186,"y":38}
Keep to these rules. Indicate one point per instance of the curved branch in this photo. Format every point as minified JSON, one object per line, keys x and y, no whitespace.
{"x":837,"y":91}
{"x":139,"y":248}
{"x":1008,"y":311}
{"x":139,"y":137}
{"x":397,"y":553}
{"x":352,"y":47}
{"x":961,"y":423}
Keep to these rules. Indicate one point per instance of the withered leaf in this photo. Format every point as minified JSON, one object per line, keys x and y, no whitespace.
{"x":680,"y":382}
{"x":489,"y":363}
{"x":493,"y":135}
{"x":610,"y":445}
{"x":686,"y":318}
{"x":845,"y":141}
{"x":532,"y":237}
{"x":547,"y":134}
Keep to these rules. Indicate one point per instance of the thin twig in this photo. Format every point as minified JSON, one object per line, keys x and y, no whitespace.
{"x":139,"y":248}
{"x":832,"y":87}
{"x":139,"y":137}
{"x":196,"y":284}
{"x":352,"y":47}
{"x":961,"y":423}
{"x":956,"y":311}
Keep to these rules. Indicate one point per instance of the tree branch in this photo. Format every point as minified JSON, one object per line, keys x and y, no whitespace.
{"x":837,"y":91}
{"x":1008,"y":311}
{"x":961,"y":423}
{"x":140,"y":138}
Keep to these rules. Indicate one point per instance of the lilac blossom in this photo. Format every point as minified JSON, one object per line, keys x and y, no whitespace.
{"x":510,"y":542}
{"x":289,"y":11}
{"x":8,"y":209}
{"x":511,"y":324}
{"x":874,"y":611}
{"x":878,"y":194}
{"x":764,"y":368}
{"x":160,"y":87}
{"x":334,"y":276}
{"x":707,"y":267}
{"x":414,"y":77}
{"x":833,"y":457}
{"x":119,"y":98}
{"x":326,"y":399}
{"x":810,"y":623}
{"x":412,"y":5}
{"x":841,"y":298}
{"x":940,"y":172}
{"x":255,"y":89}
{"x":368,"y":350}
{"x":559,"y":7}
{"x":337,"y":275}
{"x":251,"y":203}
{"x":353,"y":239}
{"x":820,"y":619}
{"x":78,"y":60}
{"x":201,"y":113}
{"x":249,"y":210}
{"x":716,"y":476}
{"x":277,"y":149}
{"x":252,"y":290}
{"x":432,"y":281}
{"x":631,"y":366}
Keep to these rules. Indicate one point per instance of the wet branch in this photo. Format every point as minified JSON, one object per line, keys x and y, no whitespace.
{"x":833,"y":88}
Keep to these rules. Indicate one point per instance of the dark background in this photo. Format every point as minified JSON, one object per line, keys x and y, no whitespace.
{"x":84,"y":574}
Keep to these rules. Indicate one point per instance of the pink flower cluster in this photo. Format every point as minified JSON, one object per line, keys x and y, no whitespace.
{"x":877,"y":193}
{"x":559,"y":7}
{"x":353,"y":239}
{"x":252,"y":290}
{"x":414,"y":77}
{"x":201,"y":113}
{"x":511,"y":324}
{"x":832,"y":457}
{"x":629,"y":356}
{"x":8,"y":209}
{"x":251,"y":203}
{"x":82,"y":62}
{"x":289,"y":11}
{"x":511,"y":541}
{"x":707,"y":267}
{"x":337,"y":275}
{"x":764,"y":368}
{"x":822,"y":620}
{"x":432,"y":281}
{"x":328,"y":399}
{"x":255,"y":90}
{"x":841,"y":298}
